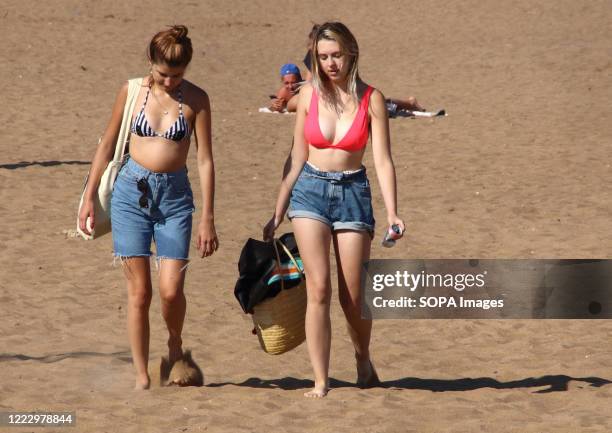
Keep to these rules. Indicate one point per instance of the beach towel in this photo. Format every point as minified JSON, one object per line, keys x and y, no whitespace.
{"x":419,"y":114}
{"x":268,"y":111}
{"x":260,"y":277}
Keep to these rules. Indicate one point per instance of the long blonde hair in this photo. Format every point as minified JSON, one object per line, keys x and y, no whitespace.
{"x":338,"y":32}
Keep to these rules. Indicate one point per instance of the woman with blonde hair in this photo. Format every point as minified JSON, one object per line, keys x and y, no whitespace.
{"x":328,"y":193}
{"x":152,"y":197}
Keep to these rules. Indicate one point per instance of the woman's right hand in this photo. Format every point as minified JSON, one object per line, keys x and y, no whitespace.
{"x":270,"y":228}
{"x":87,"y":211}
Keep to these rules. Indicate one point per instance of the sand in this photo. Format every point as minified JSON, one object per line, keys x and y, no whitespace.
{"x":519,"y":169}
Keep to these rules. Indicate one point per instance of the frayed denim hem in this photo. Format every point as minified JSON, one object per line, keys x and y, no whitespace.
{"x":158,"y":261}
{"x":123,"y":257}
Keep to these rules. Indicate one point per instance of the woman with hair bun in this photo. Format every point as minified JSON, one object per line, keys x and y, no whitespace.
{"x":152,"y":197}
{"x":328,"y":193}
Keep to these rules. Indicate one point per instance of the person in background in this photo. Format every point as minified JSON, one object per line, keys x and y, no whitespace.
{"x":285,"y":98}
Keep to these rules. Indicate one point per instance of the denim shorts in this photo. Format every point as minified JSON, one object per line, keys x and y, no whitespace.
{"x":166,"y":219}
{"x":342,"y":200}
{"x":392,"y":108}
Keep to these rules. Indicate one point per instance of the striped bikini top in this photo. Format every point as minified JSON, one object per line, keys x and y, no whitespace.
{"x":176,"y":132}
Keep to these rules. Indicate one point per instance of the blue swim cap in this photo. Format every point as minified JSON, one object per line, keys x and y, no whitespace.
{"x":290,"y":68}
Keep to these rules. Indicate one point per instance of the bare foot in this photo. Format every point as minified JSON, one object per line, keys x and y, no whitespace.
{"x":319,"y":391}
{"x":185,"y":372}
{"x":142,"y":383}
{"x":175,"y":350}
{"x":366,"y":374}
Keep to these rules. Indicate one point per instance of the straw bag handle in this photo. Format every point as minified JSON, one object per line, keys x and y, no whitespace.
{"x":290,"y":256}
{"x":278,"y":263}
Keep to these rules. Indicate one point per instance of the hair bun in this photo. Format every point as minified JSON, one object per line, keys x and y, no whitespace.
{"x":179,"y":32}
{"x":171,"y":46}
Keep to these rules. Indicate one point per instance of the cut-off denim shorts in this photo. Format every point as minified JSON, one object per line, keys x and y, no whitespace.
{"x":166,"y":219}
{"x":342,"y":200}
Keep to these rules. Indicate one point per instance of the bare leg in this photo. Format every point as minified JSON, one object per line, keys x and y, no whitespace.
{"x":314,"y":239}
{"x":352,"y":250}
{"x":137,"y":272}
{"x":173,"y":303}
{"x":408,"y":104}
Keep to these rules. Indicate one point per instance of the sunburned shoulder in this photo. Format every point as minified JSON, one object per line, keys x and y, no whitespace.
{"x":306,"y":86}
{"x":122,"y":94}
{"x":195,"y":95}
{"x":376,"y":95}
{"x":123,"y":90}
{"x":194,"y":90}
{"x":305,"y":95}
{"x":377,"y":101}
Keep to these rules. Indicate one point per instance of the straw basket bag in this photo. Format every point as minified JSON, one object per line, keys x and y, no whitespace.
{"x":279,"y":321}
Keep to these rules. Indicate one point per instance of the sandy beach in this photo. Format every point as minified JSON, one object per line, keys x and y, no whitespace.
{"x":520,"y":168}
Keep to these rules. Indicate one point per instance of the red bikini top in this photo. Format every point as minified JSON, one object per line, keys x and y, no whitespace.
{"x":355,"y":138}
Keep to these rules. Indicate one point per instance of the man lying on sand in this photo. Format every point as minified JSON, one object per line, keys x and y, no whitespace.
{"x":286,"y":97}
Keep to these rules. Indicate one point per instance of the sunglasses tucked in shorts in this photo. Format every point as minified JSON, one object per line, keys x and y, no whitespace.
{"x":147,"y":206}
{"x":342,"y":200}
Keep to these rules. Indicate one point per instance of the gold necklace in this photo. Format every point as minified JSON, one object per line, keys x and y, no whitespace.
{"x":164,"y":110}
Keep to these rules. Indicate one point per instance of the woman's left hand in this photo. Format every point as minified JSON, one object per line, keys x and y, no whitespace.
{"x":207,"y":242}
{"x":395,"y":220}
